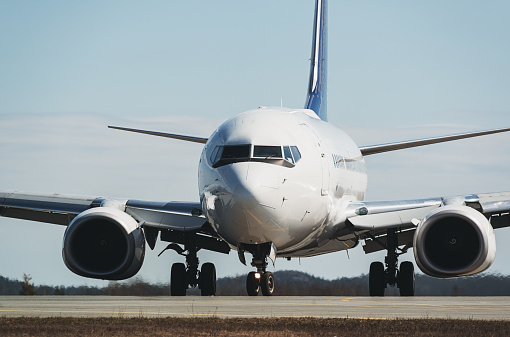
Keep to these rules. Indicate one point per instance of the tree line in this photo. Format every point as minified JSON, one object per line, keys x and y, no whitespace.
{"x":288,"y":283}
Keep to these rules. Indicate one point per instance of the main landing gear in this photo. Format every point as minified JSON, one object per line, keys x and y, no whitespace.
{"x":187,"y":275}
{"x":182,"y":277}
{"x":379,"y":277}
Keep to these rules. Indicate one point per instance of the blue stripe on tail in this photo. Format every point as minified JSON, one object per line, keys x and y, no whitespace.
{"x":317,"y":88}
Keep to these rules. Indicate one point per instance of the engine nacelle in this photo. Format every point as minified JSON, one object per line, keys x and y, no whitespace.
{"x":104,"y":243}
{"x":454,"y":241}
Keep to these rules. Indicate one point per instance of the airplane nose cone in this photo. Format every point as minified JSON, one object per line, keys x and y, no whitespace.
{"x":252,"y":185}
{"x":244,"y":205}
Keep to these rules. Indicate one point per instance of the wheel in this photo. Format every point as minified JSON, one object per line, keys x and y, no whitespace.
{"x":376,"y":279}
{"x":253,"y":284}
{"x":208,"y":280}
{"x":406,"y":279}
{"x":267,"y":284}
{"x":178,"y":283}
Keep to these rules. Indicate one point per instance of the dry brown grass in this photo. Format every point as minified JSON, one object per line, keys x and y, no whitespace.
{"x":60,"y":326}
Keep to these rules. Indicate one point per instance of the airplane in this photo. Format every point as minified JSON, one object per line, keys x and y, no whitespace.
{"x":277,"y":182}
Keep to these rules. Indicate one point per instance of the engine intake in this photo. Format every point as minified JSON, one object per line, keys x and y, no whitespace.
{"x":104,"y":243}
{"x":454,"y":241}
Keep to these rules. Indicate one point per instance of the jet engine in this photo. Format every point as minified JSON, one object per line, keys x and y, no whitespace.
{"x":104,"y":243}
{"x":454,"y":241}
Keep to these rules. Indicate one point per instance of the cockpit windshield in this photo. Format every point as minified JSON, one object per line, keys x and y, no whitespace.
{"x":235,"y":151}
{"x":267,"y":151}
{"x":286,"y":155}
{"x":295,"y":153}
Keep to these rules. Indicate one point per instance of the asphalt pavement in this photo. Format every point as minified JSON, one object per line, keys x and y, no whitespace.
{"x":485,"y":308}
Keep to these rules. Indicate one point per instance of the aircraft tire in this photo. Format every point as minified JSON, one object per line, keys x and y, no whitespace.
{"x":406,"y":279}
{"x":178,"y":284}
{"x":252,"y":284}
{"x":267,"y":284}
{"x":208,"y":279}
{"x":376,"y":279}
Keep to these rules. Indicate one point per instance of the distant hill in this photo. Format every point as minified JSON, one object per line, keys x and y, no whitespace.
{"x":9,"y":286}
{"x":296,"y":283}
{"x":288,"y":283}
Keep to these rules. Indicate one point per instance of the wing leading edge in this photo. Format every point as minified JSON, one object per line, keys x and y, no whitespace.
{"x":380,"y":148}
{"x":192,"y":139}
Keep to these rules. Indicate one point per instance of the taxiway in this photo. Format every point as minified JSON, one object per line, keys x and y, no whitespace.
{"x":485,"y":308}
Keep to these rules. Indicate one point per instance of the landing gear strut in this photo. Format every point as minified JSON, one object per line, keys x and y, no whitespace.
{"x":379,"y":277}
{"x":183,"y":276}
{"x":261,"y":280}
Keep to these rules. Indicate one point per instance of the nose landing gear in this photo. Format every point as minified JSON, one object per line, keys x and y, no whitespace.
{"x":256,"y":282}
{"x":261,"y":280}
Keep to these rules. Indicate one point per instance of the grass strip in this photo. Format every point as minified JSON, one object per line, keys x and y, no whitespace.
{"x":66,"y":326}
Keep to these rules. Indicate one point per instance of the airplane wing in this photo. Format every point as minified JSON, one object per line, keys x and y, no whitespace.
{"x":192,"y":139}
{"x":380,"y":148}
{"x":61,"y":210}
{"x":370,"y":220}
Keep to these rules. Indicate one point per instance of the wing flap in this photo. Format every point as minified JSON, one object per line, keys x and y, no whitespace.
{"x":377,"y":244}
{"x":500,"y":220}
{"x":40,"y":216}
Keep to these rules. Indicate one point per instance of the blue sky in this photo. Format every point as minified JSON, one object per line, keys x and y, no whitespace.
{"x":397,"y":70}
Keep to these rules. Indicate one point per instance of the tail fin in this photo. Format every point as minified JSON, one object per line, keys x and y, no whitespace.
{"x":317,"y":87}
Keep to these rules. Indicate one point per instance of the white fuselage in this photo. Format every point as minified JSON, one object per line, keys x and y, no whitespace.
{"x":252,"y":195}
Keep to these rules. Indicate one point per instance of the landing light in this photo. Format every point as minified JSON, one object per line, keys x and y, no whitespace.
{"x":362,"y":211}
{"x":257,"y":275}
